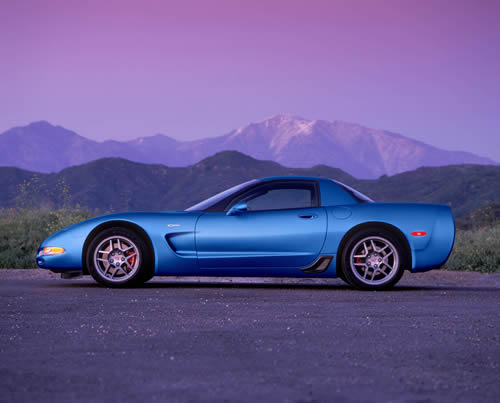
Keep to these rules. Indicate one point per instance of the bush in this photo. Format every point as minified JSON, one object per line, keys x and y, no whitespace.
{"x":22,"y":231}
{"x":476,"y":250}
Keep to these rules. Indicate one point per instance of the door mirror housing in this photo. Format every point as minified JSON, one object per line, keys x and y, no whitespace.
{"x":238,"y":208}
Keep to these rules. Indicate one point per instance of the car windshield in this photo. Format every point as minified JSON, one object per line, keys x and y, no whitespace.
{"x":358,"y":196}
{"x":205,"y":204}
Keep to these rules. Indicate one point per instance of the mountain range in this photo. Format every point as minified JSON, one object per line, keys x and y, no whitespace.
{"x":289,"y":140}
{"x":115,"y":184}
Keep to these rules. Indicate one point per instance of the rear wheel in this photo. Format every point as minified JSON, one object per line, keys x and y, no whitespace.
{"x":373,"y":259}
{"x":118,"y":257}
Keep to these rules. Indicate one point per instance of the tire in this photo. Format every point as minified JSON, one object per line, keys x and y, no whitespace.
{"x":373,"y":259}
{"x":119,"y":257}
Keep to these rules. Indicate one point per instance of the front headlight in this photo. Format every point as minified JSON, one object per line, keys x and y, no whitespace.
{"x":51,"y":250}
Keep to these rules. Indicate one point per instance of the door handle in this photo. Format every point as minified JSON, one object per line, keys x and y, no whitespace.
{"x":308,"y":216}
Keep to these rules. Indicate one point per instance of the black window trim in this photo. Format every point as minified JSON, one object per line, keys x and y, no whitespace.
{"x":225,"y":204}
{"x":352,"y":193}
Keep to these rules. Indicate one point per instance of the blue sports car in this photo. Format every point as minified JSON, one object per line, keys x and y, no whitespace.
{"x":279,"y":226}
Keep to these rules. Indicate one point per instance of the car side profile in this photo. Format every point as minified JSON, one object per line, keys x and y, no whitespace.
{"x":270,"y":227}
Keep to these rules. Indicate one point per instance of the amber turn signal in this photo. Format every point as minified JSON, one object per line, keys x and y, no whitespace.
{"x":53,"y":250}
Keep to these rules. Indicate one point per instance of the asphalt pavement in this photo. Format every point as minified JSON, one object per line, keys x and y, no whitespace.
{"x":435,"y":337}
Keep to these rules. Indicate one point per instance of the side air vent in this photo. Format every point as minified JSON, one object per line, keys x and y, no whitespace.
{"x":319,"y":266}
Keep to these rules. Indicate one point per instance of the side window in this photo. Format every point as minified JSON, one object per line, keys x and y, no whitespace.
{"x":281,"y":196}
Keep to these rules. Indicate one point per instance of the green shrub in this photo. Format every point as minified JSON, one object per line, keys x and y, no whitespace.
{"x":22,"y":231}
{"x":476,"y":250}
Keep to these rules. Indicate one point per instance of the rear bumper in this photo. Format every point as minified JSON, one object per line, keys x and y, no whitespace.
{"x":440,"y":245}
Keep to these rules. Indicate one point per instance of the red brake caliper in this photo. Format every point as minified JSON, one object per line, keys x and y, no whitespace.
{"x":131,"y":261}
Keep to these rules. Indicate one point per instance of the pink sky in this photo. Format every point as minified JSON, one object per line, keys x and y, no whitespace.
{"x":191,"y":69}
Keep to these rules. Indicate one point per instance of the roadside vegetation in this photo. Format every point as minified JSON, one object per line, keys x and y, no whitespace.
{"x":476,"y":250}
{"x":22,"y":231}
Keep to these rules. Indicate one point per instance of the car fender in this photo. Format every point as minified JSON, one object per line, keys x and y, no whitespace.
{"x":171,"y":235}
{"x":407,"y":218}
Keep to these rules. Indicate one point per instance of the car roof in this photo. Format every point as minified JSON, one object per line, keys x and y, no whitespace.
{"x":274,"y":178}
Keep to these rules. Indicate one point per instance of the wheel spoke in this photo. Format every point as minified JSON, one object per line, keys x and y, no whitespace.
{"x":102,"y":260}
{"x":118,"y":243}
{"x":129,"y":256}
{"x":366,"y":272}
{"x":366,"y":248}
{"x":374,"y":248}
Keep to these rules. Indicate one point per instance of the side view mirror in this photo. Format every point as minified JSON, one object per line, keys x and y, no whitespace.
{"x":238,"y":208}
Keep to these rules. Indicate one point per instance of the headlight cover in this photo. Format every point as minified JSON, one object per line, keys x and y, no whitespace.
{"x":51,"y":250}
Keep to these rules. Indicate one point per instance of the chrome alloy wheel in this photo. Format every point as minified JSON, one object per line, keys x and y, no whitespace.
{"x":117,"y":258}
{"x":374,"y":260}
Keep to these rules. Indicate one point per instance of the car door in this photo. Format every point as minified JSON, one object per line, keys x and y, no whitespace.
{"x":283,"y":227}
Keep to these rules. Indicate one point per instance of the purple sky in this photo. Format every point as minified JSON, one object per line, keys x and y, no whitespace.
{"x":189,"y":69}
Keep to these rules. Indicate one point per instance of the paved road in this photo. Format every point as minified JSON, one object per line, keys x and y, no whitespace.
{"x":434,"y":338}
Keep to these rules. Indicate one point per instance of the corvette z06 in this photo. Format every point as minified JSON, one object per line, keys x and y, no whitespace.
{"x":270,"y":227}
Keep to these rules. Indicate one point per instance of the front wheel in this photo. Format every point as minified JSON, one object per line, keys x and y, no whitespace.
{"x":118,"y":257}
{"x":373,"y":259}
